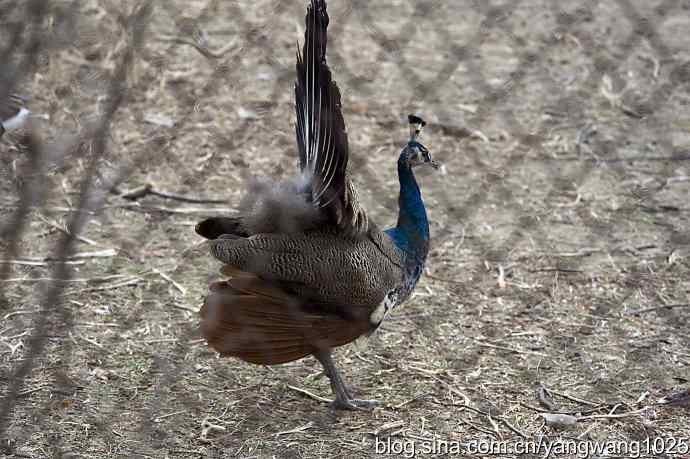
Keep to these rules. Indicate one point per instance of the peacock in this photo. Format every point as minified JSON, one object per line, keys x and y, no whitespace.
{"x":13,"y":113}
{"x":306,"y":269}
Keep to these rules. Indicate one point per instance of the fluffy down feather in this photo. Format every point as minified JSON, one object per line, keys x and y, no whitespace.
{"x":283,"y":207}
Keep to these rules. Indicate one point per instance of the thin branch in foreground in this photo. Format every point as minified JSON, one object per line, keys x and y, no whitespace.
{"x":90,"y":198}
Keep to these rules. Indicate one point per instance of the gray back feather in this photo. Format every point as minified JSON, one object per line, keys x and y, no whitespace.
{"x":322,"y":266}
{"x":279,"y":207}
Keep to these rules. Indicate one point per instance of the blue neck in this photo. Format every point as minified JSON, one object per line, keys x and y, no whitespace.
{"x":411,"y":235}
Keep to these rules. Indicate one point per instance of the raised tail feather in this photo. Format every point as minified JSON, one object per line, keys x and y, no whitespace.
{"x":251,"y":319}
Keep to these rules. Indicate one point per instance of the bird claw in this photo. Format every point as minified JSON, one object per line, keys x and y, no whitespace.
{"x":353,"y":404}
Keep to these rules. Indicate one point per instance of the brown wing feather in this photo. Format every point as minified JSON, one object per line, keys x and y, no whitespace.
{"x":252,"y":319}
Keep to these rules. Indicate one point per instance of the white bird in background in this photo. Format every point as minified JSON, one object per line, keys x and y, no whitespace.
{"x":13,"y":113}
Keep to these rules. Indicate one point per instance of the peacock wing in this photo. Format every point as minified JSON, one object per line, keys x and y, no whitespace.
{"x":320,"y":129}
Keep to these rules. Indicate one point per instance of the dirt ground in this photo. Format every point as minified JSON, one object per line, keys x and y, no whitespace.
{"x":561,"y":237}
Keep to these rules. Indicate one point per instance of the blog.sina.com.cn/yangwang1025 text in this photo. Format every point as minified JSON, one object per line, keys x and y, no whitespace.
{"x":406,"y":447}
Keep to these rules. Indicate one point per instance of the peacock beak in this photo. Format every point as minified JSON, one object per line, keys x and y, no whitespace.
{"x":427,"y":159}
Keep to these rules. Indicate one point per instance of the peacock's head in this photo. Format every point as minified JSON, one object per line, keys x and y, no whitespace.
{"x":415,"y":154}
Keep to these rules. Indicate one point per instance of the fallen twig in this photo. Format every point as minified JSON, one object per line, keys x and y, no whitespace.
{"x":37,"y":263}
{"x":478,"y":428}
{"x":185,"y":308}
{"x":307,"y":426}
{"x":170,"y":279}
{"x":207,"y":53}
{"x":488,"y":415}
{"x":544,"y":399}
{"x":125,"y":283}
{"x":208,"y":427}
{"x":310,"y":394}
{"x":448,"y":386}
{"x":413,"y":399}
{"x":613,"y":416}
{"x":158,"y":419}
{"x":70,"y":259}
{"x":88,"y":340}
{"x":560,"y":270}
{"x":573,"y":398}
{"x":582,"y":136}
{"x":509,"y":349}
{"x":573,"y":412}
{"x":484,"y":413}
{"x":52,"y":279}
{"x":636,"y":312}
{"x":148,"y":189}
{"x":61,"y":228}
{"x":389,"y":426}
{"x":579,"y":253}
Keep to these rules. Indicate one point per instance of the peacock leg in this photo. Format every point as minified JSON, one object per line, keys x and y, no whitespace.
{"x":343,"y":400}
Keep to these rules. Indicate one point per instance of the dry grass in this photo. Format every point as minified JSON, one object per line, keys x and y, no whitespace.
{"x":560,"y":219}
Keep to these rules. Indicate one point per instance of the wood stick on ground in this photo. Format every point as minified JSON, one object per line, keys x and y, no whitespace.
{"x":413,"y":399}
{"x":125,"y":283}
{"x":573,"y":398}
{"x":310,"y":394}
{"x":636,"y":312}
{"x":512,"y":427}
{"x":488,"y":415}
{"x":107,"y":253}
{"x":307,"y":426}
{"x":61,"y":228}
{"x":449,"y":386}
{"x":90,"y":280}
{"x":36,"y":263}
{"x":203,"y":50}
{"x":180,"y":288}
{"x":475,"y":426}
{"x":89,"y":340}
{"x":544,"y":399}
{"x":509,"y":349}
{"x":388,"y":427}
{"x":614,"y":416}
{"x":40,"y":261}
{"x":573,"y":412}
{"x":149,"y":189}
{"x":494,"y":424}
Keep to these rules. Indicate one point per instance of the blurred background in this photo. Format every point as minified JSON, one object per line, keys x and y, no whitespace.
{"x":558,"y":280}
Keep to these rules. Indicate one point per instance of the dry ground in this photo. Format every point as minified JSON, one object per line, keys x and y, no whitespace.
{"x":562,"y":210}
